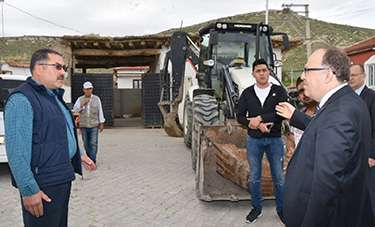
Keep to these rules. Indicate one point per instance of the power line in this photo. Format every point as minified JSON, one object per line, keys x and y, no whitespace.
{"x":347,"y":10}
{"x":351,"y":14}
{"x":42,"y":19}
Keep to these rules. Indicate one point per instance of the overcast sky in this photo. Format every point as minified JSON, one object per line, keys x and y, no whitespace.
{"x":138,"y":17}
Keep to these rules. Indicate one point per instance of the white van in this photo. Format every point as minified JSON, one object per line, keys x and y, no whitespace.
{"x":7,"y":83}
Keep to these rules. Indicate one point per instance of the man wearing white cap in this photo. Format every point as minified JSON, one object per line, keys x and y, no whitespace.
{"x":92,"y":119}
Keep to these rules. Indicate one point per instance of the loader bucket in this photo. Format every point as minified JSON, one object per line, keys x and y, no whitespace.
{"x":222,"y":166}
{"x":171,"y":127}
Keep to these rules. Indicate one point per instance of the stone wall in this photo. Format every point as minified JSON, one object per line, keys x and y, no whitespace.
{"x":21,"y":48}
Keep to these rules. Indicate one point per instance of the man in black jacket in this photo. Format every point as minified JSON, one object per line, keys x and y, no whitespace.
{"x":357,"y":82}
{"x":325,"y":184}
{"x":256,"y":111}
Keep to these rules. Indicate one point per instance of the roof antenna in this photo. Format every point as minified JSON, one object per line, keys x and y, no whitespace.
{"x":182,"y":22}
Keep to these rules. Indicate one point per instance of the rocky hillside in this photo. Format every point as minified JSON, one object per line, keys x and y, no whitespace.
{"x":323,"y":34}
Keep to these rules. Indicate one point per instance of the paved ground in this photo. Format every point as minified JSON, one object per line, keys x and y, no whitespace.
{"x":144,"y":178}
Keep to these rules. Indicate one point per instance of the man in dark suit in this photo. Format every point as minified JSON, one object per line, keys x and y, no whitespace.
{"x":325,"y":183}
{"x":357,"y":82}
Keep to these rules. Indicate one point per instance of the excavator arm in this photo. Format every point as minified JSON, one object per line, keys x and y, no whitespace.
{"x":172,"y":77}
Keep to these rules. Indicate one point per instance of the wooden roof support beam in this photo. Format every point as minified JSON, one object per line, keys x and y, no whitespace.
{"x":115,"y":62}
{"x":121,"y":45}
{"x":158,"y":44}
{"x":116,"y":53}
{"x":107,"y":45}
{"x":101,"y":66}
{"x":76,"y":44}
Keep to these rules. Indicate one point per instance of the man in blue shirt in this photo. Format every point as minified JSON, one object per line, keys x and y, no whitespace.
{"x":41,"y":142}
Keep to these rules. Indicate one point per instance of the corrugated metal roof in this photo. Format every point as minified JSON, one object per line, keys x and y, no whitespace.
{"x":364,"y":45}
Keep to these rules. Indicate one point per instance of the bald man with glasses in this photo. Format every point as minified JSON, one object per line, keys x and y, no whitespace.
{"x":326,"y":179}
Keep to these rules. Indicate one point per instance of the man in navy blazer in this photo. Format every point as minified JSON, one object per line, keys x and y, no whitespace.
{"x":357,"y":82}
{"x":325,"y":183}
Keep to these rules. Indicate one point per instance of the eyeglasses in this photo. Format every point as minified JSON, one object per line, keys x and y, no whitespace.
{"x":305,"y":70}
{"x":57,"y":66}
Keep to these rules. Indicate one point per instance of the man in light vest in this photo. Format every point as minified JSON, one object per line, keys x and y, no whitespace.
{"x":92,"y":119}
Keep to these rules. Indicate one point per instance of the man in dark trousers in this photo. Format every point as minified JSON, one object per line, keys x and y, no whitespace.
{"x":41,"y":143}
{"x":256,"y":111}
{"x":326,"y":179}
{"x":357,"y":82}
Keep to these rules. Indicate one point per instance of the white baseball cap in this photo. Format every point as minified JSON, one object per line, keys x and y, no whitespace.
{"x":87,"y":85}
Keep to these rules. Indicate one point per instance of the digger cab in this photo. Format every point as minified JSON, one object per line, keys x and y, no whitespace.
{"x":221,"y":43}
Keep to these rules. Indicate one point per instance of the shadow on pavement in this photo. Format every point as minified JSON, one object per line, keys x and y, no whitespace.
{"x":4,"y":170}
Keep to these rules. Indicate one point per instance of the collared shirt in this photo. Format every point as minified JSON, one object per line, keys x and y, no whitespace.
{"x":329,"y":94}
{"x":19,"y":129}
{"x":77,"y":108}
{"x":72,"y":145}
{"x":360,"y":89}
{"x":18,"y":122}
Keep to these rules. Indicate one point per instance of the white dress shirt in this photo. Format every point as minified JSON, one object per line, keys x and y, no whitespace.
{"x":360,"y":89}
{"x":330,"y":93}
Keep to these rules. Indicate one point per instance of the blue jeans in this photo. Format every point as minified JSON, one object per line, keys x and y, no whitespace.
{"x":274,"y":149}
{"x":90,"y":141}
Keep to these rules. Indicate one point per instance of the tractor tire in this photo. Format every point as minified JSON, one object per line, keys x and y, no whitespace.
{"x":188,"y":122}
{"x":205,"y":112}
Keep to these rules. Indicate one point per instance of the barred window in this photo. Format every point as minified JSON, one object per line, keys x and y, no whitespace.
{"x":371,"y":75}
{"x":137,"y":83}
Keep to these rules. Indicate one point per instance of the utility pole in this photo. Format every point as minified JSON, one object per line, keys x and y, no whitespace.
{"x":307,"y":29}
{"x":266,"y":12}
{"x":308,"y":33}
{"x":2,"y":18}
